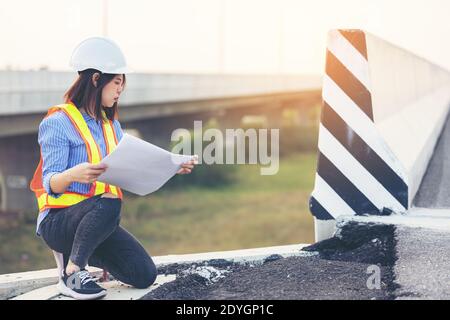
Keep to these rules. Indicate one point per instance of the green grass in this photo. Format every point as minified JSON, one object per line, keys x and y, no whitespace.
{"x":21,"y":250}
{"x":256,"y":211}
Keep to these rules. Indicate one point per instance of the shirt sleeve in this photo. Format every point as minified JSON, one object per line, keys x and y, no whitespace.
{"x":118,"y":130}
{"x":54,"y":148}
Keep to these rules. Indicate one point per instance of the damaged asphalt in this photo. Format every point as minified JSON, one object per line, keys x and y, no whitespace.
{"x":345,"y":267}
{"x":410,"y":263}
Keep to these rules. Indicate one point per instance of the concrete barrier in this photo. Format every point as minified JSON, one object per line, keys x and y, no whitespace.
{"x":383,"y":111}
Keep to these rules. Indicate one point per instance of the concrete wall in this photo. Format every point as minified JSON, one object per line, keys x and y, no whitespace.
{"x":383,"y":111}
{"x":410,"y":102}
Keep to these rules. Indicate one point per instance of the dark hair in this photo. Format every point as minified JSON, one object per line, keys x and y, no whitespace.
{"x":83,"y":93}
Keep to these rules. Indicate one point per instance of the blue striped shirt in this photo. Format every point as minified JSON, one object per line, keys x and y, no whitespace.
{"x":62,"y":148}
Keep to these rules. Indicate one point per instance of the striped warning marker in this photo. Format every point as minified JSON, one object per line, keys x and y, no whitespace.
{"x":356,"y":172}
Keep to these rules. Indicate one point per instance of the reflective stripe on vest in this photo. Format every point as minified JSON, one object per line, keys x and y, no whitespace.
{"x":68,"y":198}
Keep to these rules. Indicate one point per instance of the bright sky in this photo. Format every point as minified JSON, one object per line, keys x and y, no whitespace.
{"x":210,"y":36}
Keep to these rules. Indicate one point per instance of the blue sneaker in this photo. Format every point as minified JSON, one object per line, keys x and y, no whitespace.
{"x":80,"y":285}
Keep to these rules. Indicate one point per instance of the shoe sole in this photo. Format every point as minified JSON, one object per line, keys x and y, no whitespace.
{"x":64,"y":290}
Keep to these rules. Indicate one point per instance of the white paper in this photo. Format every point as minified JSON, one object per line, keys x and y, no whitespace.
{"x":139,"y":166}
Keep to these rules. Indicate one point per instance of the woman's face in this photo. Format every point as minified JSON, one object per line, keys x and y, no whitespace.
{"x":112,"y":91}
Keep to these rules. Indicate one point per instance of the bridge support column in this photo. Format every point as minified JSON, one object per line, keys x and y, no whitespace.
{"x":19,"y":158}
{"x":2,"y":192}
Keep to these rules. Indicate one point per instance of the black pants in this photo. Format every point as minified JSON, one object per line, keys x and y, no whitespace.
{"x":89,"y":233}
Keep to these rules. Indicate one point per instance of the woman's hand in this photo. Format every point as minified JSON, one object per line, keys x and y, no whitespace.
{"x":187,"y":167}
{"x":86,"y":172}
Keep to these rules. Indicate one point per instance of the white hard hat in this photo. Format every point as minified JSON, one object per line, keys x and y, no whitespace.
{"x":101,"y":54}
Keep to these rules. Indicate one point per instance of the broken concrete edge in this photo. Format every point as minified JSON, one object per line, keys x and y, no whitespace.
{"x":365,"y":239}
{"x":360,"y":246}
{"x":361,"y":240}
{"x":15,"y":284}
{"x":357,"y":234}
{"x":434,"y":219}
{"x":116,"y":291}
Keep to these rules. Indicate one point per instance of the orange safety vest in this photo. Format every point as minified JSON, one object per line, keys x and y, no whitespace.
{"x":68,"y":198}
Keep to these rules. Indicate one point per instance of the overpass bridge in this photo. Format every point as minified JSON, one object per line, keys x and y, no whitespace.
{"x":26,"y":95}
{"x":152,"y":106}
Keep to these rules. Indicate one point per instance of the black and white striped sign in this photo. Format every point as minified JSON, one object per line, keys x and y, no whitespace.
{"x":356,"y":172}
